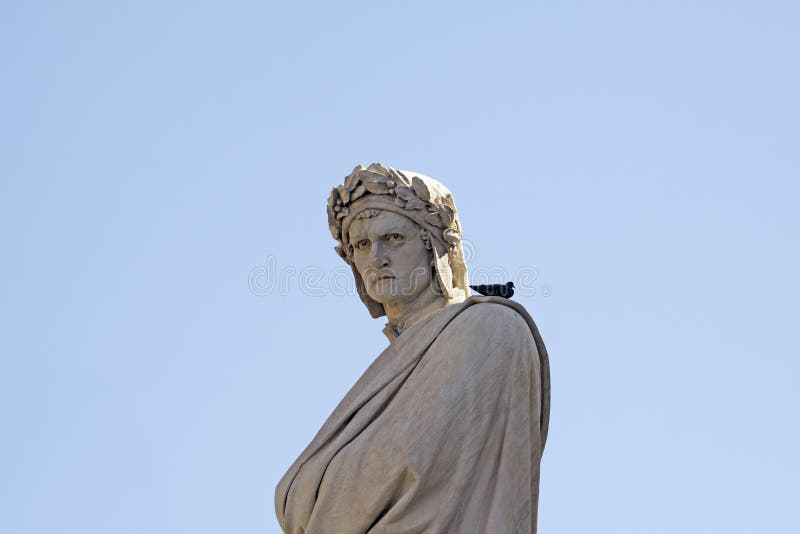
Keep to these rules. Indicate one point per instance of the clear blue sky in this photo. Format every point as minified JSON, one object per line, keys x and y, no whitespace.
{"x":157,"y":157}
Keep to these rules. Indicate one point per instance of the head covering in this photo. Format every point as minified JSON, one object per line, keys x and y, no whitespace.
{"x":418,"y":197}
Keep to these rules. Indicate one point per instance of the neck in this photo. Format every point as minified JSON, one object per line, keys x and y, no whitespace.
{"x":405,"y":314}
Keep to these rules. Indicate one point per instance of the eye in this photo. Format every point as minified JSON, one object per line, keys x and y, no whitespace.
{"x":394,"y":237}
{"x":362,"y":244}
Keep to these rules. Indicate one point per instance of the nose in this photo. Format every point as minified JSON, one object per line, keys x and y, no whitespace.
{"x":379,"y":258}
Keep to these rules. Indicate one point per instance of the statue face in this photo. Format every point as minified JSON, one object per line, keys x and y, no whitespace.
{"x":391,"y":257}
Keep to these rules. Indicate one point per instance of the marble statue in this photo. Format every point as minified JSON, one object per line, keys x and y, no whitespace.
{"x":444,"y":432}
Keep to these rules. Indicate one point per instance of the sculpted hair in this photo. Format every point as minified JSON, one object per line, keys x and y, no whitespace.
{"x":368,"y":213}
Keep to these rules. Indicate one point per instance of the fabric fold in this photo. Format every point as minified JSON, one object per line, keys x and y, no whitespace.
{"x":443,"y":433}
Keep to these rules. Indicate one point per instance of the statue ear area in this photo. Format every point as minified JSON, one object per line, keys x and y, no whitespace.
{"x":426,"y":238}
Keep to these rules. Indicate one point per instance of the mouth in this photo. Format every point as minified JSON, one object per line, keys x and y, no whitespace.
{"x":384,"y":277}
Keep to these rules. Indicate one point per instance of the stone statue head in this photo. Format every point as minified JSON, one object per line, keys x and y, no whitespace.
{"x":399,"y":231}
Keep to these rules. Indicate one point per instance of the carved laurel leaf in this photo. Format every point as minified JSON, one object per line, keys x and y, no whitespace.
{"x":446,"y":214}
{"x":434,"y":219}
{"x":351,"y":180}
{"x":400,"y":178}
{"x":404,"y":192}
{"x":415,"y":204}
{"x":344,"y":212}
{"x":379,"y":169}
{"x":421,"y":189}
{"x":344,"y":193}
{"x":377,"y":188}
{"x":371,"y":176}
{"x":400,"y":202}
{"x":358,"y":192}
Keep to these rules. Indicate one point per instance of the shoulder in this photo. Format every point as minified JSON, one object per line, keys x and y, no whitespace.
{"x":494,"y":312}
{"x":492,"y":319}
{"x":496,"y":307}
{"x":488,"y":335}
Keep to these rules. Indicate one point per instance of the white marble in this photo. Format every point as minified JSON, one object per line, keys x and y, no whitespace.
{"x":444,"y":432}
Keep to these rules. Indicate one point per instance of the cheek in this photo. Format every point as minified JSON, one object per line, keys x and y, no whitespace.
{"x":359,"y":263}
{"x":414,"y":259}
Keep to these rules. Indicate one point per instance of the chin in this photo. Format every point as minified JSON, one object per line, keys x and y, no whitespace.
{"x":386,"y":297}
{"x":392,"y":296}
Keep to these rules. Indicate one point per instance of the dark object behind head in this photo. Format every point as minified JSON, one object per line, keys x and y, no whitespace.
{"x":496,"y":290}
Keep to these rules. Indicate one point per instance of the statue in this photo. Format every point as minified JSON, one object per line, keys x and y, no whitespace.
{"x":444,"y":432}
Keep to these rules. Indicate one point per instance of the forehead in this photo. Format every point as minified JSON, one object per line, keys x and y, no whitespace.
{"x":385,"y":222}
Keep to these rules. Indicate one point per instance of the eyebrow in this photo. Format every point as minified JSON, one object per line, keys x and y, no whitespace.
{"x":393,"y":229}
{"x":354,"y":236}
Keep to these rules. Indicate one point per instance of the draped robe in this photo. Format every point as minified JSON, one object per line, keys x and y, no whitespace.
{"x":443,"y":433}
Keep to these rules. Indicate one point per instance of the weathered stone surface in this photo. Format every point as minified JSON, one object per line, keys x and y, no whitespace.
{"x":444,"y":432}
